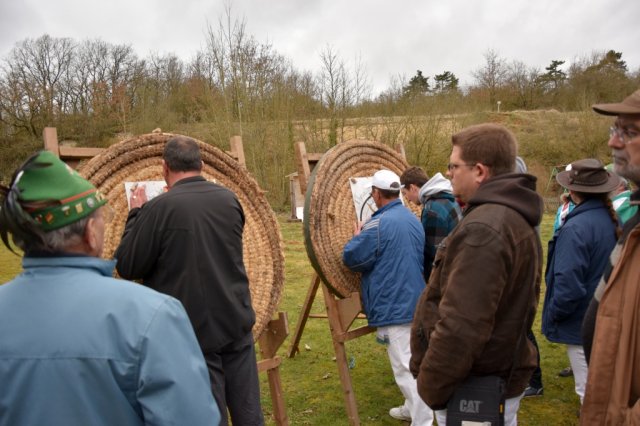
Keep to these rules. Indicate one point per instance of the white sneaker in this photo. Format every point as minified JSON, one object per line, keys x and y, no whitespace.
{"x":400,"y":413}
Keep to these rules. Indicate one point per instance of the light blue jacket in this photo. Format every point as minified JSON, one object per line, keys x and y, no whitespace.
{"x":78,"y":347}
{"x":389,"y":251}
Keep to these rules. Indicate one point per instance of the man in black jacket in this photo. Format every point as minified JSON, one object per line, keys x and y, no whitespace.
{"x":188,"y":243}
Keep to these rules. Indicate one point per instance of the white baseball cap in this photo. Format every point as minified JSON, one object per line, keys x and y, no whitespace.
{"x":386,"y":179}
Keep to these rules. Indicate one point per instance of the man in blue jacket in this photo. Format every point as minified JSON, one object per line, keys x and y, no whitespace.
{"x":79,"y":347}
{"x":389,"y":251}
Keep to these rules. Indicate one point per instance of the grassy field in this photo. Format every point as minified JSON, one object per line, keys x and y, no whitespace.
{"x":310,"y":380}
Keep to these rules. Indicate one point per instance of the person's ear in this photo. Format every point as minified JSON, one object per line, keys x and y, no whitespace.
{"x":165,"y":172}
{"x":91,"y":235}
{"x":482,"y":172}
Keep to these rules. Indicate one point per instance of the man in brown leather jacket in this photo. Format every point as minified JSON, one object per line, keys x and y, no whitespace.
{"x":611,"y":332}
{"x":483,"y":291}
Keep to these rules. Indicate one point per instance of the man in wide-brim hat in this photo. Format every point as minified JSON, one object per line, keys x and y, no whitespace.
{"x":588,"y":176}
{"x":577,"y":257}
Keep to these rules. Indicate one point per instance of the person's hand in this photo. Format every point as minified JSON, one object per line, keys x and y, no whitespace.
{"x":138,"y":197}
{"x":357,"y":227}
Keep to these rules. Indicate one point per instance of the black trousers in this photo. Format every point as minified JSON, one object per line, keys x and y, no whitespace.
{"x":234,"y":382}
{"x":536,"y":377}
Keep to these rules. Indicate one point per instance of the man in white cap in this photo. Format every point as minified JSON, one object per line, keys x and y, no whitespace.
{"x":389,"y":250}
{"x":611,"y":331}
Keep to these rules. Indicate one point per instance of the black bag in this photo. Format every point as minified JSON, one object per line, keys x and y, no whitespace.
{"x":477,"y":401}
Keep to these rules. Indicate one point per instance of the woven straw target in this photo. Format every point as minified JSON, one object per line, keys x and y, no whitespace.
{"x":140,"y":159}
{"x":329,"y":212}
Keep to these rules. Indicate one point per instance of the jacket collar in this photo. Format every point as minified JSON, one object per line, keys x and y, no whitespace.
{"x":386,"y":207}
{"x":189,"y":180}
{"x":589,"y":204}
{"x":102,"y":266}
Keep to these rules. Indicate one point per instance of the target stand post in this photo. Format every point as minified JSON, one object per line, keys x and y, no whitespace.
{"x":271,"y":339}
{"x":341,"y":314}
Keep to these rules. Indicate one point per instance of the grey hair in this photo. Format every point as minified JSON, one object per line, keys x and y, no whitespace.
{"x":58,"y":240}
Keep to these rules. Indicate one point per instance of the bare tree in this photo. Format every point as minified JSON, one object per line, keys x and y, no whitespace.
{"x":492,"y":75}
{"x":522,"y":83}
{"x":34,"y":75}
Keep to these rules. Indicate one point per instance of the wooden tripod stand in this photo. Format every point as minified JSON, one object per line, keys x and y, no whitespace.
{"x":341,"y":314}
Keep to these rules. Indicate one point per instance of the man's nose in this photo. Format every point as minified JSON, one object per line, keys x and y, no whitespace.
{"x":615,"y":142}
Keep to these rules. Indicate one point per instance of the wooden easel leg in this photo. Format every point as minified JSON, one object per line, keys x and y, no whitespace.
{"x":337,"y":334}
{"x":304,"y":315}
{"x":279,"y":408}
{"x":272,"y":338}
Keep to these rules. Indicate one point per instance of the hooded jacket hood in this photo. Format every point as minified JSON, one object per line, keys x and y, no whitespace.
{"x":436,"y":184}
{"x":514,"y":190}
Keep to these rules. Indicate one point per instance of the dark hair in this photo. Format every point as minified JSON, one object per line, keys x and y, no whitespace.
{"x":414,"y":175}
{"x":490,"y":144}
{"x":182,"y":154}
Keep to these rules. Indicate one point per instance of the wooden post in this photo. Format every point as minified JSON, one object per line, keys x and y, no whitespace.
{"x":50,"y":136}
{"x":303,"y":166}
{"x":304,"y":315}
{"x":69,"y":154}
{"x":340,"y":313}
{"x":272,"y":338}
{"x":305,"y":162}
{"x":237,"y":150}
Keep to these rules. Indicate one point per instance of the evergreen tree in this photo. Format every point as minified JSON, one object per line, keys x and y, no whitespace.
{"x":418,"y":85}
{"x":554,"y":77}
{"x":446,"y":82}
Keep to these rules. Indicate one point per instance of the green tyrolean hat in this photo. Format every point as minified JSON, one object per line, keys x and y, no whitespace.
{"x":54,"y":194}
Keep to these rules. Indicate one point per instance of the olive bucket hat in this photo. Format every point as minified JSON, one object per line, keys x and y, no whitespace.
{"x":589,"y":176}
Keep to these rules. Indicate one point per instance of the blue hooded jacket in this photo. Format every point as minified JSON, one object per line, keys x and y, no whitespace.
{"x":577,"y":256}
{"x":389,"y":251}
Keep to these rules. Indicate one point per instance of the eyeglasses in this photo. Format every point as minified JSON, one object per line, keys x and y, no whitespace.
{"x":451,"y":166}
{"x":624,"y":135}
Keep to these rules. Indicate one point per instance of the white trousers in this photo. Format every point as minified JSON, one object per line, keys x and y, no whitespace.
{"x":579,"y":365}
{"x":511,"y":407}
{"x":399,"y":351}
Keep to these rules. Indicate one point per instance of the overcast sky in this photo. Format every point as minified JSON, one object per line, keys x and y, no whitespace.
{"x":393,"y":38}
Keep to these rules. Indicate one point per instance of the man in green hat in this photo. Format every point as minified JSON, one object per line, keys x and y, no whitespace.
{"x":78,"y":346}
